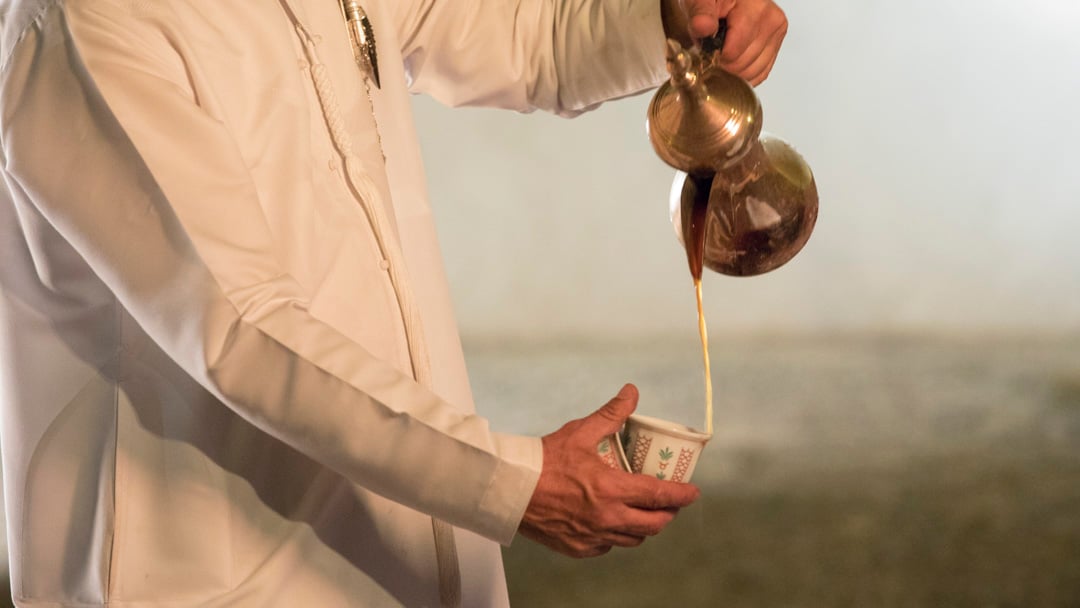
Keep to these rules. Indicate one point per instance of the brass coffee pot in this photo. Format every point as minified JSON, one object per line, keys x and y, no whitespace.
{"x":742,"y":203}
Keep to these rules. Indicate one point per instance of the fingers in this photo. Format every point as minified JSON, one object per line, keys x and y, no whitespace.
{"x":626,"y":540}
{"x":624,"y":527}
{"x":614,"y":413}
{"x":758,"y":71}
{"x":765,"y":74}
{"x":648,"y":493}
{"x":597,"y":552}
{"x":592,"y":524}
{"x":756,"y":30}
{"x":644,"y":522}
{"x":741,"y":34}
{"x":703,"y":25}
{"x":703,"y":17}
{"x":760,"y":53}
{"x":582,"y":508}
{"x":743,"y":51}
{"x":629,"y":527}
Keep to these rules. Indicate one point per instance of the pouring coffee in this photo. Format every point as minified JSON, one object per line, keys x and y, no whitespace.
{"x":759,"y":195}
{"x":742,"y":203}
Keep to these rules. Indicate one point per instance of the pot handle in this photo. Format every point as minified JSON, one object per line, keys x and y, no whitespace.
{"x":715,"y":43}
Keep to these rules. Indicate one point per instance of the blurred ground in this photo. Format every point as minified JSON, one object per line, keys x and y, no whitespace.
{"x":869,"y":471}
{"x":846,"y":471}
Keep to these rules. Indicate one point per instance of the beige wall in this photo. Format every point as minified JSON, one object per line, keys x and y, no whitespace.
{"x":944,"y":137}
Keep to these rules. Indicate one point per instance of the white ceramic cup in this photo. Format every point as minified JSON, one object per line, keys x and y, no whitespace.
{"x":610,"y":450}
{"x":662,"y":449}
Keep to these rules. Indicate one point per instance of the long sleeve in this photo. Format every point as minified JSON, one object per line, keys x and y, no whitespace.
{"x":563,"y":56}
{"x":107,"y":143}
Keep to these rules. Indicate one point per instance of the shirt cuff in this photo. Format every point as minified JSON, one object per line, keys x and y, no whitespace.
{"x":512,"y":485}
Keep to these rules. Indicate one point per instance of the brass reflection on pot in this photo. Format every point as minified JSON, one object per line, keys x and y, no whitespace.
{"x":703,"y":118}
{"x":757,"y":215}
{"x":762,"y":200}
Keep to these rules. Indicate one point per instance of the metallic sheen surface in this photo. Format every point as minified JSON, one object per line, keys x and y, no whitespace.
{"x":703,"y":119}
{"x":759,"y":213}
{"x":741,"y":205}
{"x":362,"y":36}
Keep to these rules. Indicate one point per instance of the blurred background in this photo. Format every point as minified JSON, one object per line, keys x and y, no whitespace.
{"x":898,"y":408}
{"x":944,"y":139}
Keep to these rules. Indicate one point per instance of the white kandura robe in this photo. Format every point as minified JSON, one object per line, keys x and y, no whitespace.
{"x":231,"y":374}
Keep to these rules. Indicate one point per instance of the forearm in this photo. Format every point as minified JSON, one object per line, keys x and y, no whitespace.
{"x":104,"y":143}
{"x":563,"y":56}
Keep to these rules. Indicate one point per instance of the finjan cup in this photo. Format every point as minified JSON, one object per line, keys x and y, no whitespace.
{"x":662,"y":449}
{"x":611,"y":452}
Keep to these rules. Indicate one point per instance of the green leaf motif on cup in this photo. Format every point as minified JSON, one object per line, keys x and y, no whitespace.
{"x":666,"y":454}
{"x":660,"y":475}
{"x":604,"y":447}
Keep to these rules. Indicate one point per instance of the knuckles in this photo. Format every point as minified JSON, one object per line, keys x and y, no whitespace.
{"x":582,"y":550}
{"x":605,"y":521}
{"x":775,"y":18}
{"x":659,"y":497}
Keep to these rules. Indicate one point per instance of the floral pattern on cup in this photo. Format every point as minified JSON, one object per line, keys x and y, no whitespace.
{"x":611,"y":452}
{"x":663,"y":449}
{"x":686,"y":458}
{"x":640,"y":451}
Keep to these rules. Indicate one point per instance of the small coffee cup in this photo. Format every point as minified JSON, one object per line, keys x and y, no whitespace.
{"x":610,"y":450}
{"x":662,"y":449}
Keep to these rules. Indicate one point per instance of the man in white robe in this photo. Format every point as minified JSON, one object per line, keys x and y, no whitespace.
{"x":231,"y":375}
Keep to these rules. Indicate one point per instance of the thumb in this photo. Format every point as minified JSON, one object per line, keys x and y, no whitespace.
{"x":614,"y":413}
{"x":703,"y":16}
